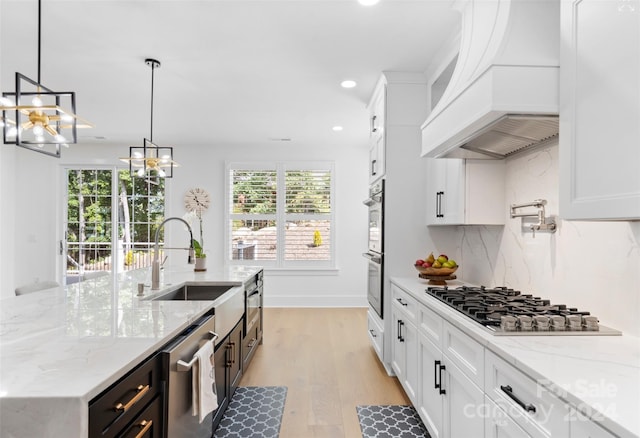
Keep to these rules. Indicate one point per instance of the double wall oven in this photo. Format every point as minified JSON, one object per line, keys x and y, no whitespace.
{"x":375,"y":251}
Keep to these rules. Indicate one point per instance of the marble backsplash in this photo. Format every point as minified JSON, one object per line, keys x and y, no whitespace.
{"x":594,"y":266}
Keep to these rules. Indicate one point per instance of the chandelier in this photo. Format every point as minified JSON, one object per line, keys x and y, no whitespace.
{"x":150,"y":159}
{"x":43,"y":119}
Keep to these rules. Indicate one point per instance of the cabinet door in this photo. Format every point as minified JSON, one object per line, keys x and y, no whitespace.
{"x":235,"y":356}
{"x":445,"y":191}
{"x":461,"y":398}
{"x":398,"y":346}
{"x":410,"y":383}
{"x":585,"y":428}
{"x":600,"y":110}
{"x":221,"y":365}
{"x":498,"y":424}
{"x":430,"y":403}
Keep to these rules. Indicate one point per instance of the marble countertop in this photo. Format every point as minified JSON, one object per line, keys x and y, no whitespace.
{"x":61,"y":347}
{"x":598,"y":375}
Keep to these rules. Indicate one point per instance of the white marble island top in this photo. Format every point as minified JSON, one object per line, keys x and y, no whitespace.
{"x":61,"y":347}
{"x":597,"y":375}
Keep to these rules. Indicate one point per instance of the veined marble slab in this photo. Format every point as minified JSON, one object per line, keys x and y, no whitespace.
{"x":61,"y":347}
{"x":599,"y":376}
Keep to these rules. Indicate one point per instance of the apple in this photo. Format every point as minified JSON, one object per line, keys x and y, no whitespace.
{"x":452,"y":263}
{"x":442,"y":258}
{"x":427,"y":265}
{"x":419,"y":262}
{"x":448,"y":264}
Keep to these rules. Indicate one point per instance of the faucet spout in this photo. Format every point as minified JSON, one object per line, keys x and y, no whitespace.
{"x":155,"y":266}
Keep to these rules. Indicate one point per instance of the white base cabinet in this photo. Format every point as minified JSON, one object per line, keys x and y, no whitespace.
{"x":405,"y":341}
{"x":465,"y":192}
{"x":450,"y":395}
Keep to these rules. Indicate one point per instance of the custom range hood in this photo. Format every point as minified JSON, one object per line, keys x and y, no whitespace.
{"x":503,"y":94}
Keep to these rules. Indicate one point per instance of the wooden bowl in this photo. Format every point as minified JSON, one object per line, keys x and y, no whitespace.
{"x":436,"y":272}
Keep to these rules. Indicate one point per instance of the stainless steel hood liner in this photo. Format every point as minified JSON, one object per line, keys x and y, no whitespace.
{"x":503,"y":94}
{"x":513,"y":133}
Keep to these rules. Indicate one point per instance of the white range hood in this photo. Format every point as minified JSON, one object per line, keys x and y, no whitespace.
{"x":503,"y":94}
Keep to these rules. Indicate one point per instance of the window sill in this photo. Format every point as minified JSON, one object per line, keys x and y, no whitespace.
{"x":301,"y":271}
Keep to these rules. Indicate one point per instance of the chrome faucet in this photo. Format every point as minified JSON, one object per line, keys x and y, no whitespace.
{"x":542,"y":224}
{"x":155,"y":266}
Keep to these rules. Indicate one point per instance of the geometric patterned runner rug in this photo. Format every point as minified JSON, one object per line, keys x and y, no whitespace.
{"x":254,"y":411}
{"x":390,"y":421}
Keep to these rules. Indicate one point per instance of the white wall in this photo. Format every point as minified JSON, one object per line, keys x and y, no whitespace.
{"x":33,"y":184}
{"x":594,"y":266}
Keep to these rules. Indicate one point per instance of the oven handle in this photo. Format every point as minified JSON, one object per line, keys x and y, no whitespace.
{"x":374,"y":258}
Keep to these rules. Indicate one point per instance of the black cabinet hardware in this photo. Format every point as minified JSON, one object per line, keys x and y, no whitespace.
{"x":509,"y":391}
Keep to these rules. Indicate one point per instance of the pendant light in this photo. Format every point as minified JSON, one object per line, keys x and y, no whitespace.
{"x":151,"y":160}
{"x":43,"y":119}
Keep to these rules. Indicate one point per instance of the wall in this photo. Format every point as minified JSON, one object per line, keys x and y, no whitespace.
{"x":31,"y":216}
{"x":594,"y":266}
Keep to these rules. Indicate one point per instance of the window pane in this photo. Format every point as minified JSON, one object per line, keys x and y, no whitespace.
{"x":308,"y":240}
{"x":308,"y":191}
{"x":253,"y":192}
{"x":253,"y":240}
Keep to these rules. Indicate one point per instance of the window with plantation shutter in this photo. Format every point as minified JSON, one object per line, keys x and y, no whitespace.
{"x":280,"y":214}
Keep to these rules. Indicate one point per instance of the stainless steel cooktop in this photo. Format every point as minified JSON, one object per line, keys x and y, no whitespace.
{"x":505,"y":311}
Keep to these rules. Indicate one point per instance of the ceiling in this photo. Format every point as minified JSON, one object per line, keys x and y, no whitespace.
{"x":234,"y":72}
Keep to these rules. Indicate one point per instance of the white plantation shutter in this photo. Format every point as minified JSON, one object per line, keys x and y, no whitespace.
{"x":280,"y":213}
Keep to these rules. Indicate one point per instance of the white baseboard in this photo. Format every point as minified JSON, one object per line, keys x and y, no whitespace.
{"x":315,"y":301}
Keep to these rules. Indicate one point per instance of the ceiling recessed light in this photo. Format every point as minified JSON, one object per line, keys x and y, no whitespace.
{"x":337,"y":128}
{"x":368,"y":2}
{"x":348,"y":84}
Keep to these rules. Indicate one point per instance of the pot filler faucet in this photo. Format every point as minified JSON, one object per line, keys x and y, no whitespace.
{"x":155,"y":267}
{"x":542,"y":224}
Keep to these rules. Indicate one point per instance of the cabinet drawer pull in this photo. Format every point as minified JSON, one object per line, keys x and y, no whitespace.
{"x":252,"y":342}
{"x":401,"y":302}
{"x":373,"y":333}
{"x":145,"y":425}
{"x":436,"y":365}
{"x":509,"y":391}
{"x":400,"y":324}
{"x":142,"y":390}
{"x":441,"y":367}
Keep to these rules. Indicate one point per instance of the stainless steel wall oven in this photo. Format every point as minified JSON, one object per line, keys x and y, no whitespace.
{"x":375,"y":251}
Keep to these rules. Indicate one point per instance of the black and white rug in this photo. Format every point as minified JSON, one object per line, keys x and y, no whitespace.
{"x":254,"y":411}
{"x":390,"y":421}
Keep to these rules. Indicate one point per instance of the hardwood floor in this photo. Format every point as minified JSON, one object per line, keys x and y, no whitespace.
{"x":324,"y":358}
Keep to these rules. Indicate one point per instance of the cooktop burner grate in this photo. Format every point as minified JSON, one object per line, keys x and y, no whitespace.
{"x":507,"y":311}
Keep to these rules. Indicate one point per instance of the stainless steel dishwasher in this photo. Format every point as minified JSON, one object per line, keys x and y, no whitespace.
{"x":177,"y":364}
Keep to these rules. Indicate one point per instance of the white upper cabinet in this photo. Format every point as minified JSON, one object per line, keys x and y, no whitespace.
{"x":600,"y":110}
{"x":465,"y":192}
{"x":377,"y":134}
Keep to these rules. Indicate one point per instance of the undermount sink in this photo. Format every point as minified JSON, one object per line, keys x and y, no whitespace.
{"x":194,"y":293}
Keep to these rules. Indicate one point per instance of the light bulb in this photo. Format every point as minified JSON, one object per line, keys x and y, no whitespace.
{"x":66,"y":117}
{"x":5,"y":101}
{"x":137,"y":155}
{"x":1,"y":123}
{"x":161,"y":173}
{"x":140,"y":172}
{"x":12,"y":131}
{"x":165,"y":158}
{"x":36,"y":101}
{"x":38,"y":130}
{"x":60,"y":138}
{"x":39,"y":139}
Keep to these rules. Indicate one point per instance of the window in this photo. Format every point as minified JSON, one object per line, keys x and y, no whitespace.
{"x":111,"y":221}
{"x":280,"y":214}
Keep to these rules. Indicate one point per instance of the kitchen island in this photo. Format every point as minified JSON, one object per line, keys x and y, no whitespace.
{"x":61,"y":347}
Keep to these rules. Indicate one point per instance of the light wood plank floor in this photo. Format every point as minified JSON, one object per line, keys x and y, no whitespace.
{"x":324,"y":358}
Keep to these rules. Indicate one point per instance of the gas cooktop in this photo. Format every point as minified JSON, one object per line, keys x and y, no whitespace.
{"x":505,"y":311}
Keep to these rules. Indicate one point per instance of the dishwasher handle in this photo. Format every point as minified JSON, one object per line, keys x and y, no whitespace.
{"x":186,"y":366}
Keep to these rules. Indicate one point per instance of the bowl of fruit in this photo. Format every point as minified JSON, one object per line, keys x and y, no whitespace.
{"x":436,"y":270}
